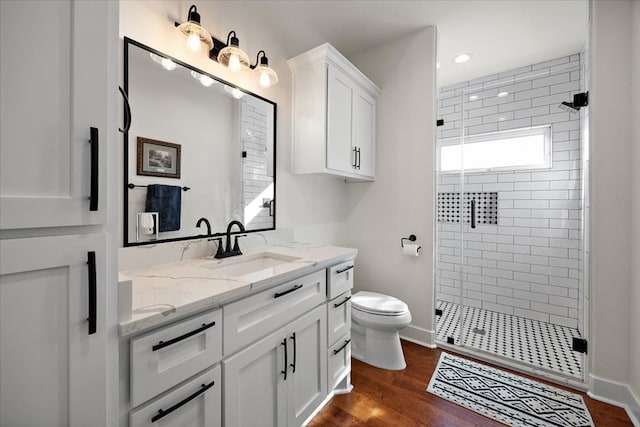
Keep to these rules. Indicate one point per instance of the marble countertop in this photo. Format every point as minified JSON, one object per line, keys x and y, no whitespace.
{"x":166,"y":292}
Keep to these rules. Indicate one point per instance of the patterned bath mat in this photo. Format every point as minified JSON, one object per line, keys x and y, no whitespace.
{"x":505,"y":397}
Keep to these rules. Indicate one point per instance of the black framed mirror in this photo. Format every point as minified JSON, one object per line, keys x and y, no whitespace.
{"x":195,"y":147}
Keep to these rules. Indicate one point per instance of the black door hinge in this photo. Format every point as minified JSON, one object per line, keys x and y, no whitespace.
{"x":440,"y":122}
{"x":438,"y":312}
{"x":581,"y":99}
{"x":244,"y":154}
{"x":579,"y":345}
{"x":450,"y":340}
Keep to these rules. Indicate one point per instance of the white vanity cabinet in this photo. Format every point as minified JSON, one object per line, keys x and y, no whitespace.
{"x":281,"y":379}
{"x":339,"y":285}
{"x":334,"y":116}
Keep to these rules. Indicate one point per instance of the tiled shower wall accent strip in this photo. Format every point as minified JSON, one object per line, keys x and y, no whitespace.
{"x":449,"y":208}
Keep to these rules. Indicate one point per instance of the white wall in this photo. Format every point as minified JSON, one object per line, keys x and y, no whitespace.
{"x":400,"y":201}
{"x":611,"y":177}
{"x":634,"y":357}
{"x":310,"y":208}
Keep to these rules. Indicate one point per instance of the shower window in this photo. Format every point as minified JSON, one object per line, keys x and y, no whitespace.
{"x":528,"y":148}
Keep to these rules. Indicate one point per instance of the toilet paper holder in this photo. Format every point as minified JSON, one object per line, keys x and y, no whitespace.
{"x":411,"y":238}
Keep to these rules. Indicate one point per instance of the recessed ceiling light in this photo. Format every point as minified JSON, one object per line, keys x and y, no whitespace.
{"x":503,"y":94}
{"x":473,"y":97}
{"x":463,"y":57}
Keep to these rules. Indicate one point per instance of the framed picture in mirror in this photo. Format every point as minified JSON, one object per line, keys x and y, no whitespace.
{"x":158,"y":158}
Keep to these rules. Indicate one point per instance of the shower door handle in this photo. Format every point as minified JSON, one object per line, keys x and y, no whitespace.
{"x":473,"y":213}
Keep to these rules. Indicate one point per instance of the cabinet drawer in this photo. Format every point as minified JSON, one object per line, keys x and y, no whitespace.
{"x":339,"y":279}
{"x":198,"y":403}
{"x":339,"y":317}
{"x":163,"y":358}
{"x":254,"y":317}
{"x":339,"y":357}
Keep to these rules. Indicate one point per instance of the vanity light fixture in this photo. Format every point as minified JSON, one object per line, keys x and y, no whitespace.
{"x":231,"y":55}
{"x":228,"y":54}
{"x":266,"y":75}
{"x":196,"y":34}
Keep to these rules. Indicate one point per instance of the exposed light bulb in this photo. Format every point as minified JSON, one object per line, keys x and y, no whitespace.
{"x":168,"y":64}
{"x":193,"y":42}
{"x":265,"y":81}
{"x":234,"y":62}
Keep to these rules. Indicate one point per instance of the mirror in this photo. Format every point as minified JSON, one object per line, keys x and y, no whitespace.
{"x":197,"y":147}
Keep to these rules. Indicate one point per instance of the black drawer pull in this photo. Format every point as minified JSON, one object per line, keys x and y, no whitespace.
{"x":95,"y":152}
{"x":163,"y":344}
{"x":288,"y":291}
{"x":93,"y":302}
{"x":161,"y":413}
{"x":344,"y":269}
{"x":341,"y":303}
{"x":342,"y":347}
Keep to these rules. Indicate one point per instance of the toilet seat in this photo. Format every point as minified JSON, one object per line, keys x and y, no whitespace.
{"x":378,"y":304}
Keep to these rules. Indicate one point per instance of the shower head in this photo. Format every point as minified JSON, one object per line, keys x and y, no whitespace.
{"x":579,"y":100}
{"x":568,"y":106}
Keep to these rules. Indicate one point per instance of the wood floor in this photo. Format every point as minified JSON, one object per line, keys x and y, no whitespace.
{"x":399,"y":398}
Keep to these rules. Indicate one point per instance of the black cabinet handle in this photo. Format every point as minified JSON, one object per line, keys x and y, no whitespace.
{"x":342,"y":347}
{"x":163,"y":344}
{"x":359,"y":153}
{"x":95,"y":152}
{"x":355,"y":157}
{"x":344,"y":269}
{"x":288,"y":291}
{"x":286,"y":362}
{"x":127,"y":111}
{"x":162,"y":413}
{"x":93,"y":303}
{"x":343,"y":302}
{"x":295,"y":350}
{"x":473,"y":213}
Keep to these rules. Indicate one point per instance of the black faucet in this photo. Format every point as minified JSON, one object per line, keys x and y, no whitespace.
{"x":228,"y":251}
{"x":206,"y":222}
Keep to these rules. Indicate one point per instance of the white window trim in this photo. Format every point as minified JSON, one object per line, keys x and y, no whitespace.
{"x":505,"y":134}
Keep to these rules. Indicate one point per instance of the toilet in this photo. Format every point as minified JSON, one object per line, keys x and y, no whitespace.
{"x":376,"y":320}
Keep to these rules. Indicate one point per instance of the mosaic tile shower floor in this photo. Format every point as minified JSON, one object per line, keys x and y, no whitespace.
{"x":539,"y":344}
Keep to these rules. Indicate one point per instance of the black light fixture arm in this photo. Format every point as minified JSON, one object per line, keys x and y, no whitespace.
{"x":264,"y":60}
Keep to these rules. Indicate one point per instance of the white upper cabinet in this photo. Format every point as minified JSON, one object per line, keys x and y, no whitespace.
{"x":54,"y":90}
{"x":334,"y":116}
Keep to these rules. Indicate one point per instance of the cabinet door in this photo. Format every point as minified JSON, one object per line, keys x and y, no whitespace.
{"x":340,"y":155}
{"x":52,"y":371}
{"x":364,"y":130}
{"x":254,"y":386}
{"x":53,"y":85}
{"x":307,"y":379}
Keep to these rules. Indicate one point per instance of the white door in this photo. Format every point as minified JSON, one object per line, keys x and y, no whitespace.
{"x":340,"y":155}
{"x":53,"y":90}
{"x":52,"y":370}
{"x":307,"y":378}
{"x":364,"y":129}
{"x":254,"y":385}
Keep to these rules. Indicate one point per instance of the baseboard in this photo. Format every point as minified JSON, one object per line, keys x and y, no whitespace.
{"x":616,"y":394}
{"x":419,"y":336}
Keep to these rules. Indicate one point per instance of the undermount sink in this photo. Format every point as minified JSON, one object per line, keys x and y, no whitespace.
{"x":247,"y":264}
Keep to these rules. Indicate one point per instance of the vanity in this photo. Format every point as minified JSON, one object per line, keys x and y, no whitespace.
{"x":257,"y":339}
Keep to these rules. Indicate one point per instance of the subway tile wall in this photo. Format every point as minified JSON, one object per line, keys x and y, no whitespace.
{"x":530,"y":263}
{"x":255,"y":176}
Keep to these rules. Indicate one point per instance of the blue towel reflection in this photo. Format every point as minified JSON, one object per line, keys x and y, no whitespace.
{"x":167,"y":201}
